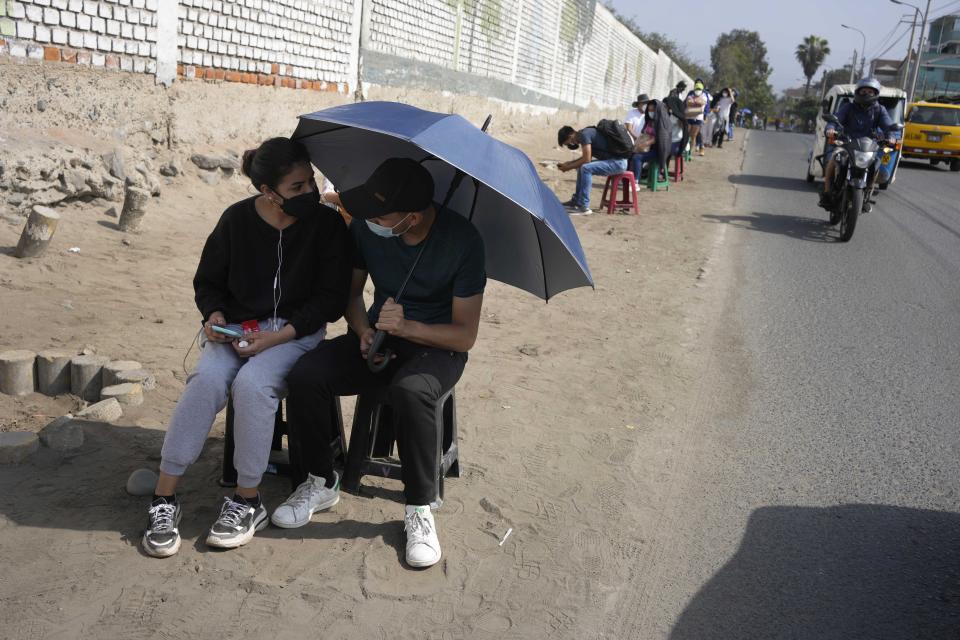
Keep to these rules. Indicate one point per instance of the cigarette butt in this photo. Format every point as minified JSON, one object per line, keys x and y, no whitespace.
{"x":506,"y":535}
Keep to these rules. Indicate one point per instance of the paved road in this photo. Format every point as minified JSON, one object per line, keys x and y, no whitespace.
{"x":828,"y":496}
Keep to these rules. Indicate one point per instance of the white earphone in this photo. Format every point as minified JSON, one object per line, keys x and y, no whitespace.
{"x":277,"y":288}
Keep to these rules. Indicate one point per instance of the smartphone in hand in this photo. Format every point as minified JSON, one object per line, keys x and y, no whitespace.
{"x":226,"y":331}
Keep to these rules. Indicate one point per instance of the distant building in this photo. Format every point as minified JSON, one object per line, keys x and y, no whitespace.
{"x":886,"y":71}
{"x":797,"y":93}
{"x":940,"y":60}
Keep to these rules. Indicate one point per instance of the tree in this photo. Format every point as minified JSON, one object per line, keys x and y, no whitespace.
{"x":739,"y":60}
{"x":677,"y":52}
{"x":662,"y":42}
{"x":810,"y":54}
{"x":837,"y":76}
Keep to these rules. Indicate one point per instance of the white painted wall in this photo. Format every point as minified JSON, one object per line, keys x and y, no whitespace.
{"x":572,"y":51}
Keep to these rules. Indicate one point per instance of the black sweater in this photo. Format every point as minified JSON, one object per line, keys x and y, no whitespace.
{"x":237,"y":267}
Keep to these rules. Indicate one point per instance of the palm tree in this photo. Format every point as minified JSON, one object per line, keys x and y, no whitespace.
{"x":810,"y":54}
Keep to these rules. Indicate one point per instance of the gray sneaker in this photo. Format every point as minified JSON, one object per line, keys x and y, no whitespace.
{"x":580,"y":211}
{"x":236,"y":525}
{"x":161,"y":539}
{"x":311,"y":496}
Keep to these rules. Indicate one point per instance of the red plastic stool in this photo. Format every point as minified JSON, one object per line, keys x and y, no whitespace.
{"x":678,"y":167}
{"x":629,"y":200}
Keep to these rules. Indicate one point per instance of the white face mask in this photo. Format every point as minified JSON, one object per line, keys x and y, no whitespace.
{"x":387,"y":232}
{"x":698,"y":92}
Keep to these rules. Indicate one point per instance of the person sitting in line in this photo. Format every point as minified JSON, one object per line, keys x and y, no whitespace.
{"x":280,"y":260}
{"x":633,"y":121}
{"x":595,"y":160}
{"x":430,"y":333}
{"x":644,"y":149}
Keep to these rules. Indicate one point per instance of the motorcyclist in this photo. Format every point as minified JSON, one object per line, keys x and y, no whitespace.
{"x":860,"y":118}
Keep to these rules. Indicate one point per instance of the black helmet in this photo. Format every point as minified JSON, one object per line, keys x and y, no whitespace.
{"x":867,"y":100}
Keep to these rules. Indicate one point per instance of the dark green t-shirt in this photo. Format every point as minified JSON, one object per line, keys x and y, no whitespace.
{"x":452,"y":266}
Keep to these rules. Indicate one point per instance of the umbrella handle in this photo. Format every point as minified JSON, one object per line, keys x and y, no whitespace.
{"x":374,"y":366}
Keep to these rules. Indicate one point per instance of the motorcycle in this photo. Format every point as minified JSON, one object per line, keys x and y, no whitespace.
{"x":856,"y":160}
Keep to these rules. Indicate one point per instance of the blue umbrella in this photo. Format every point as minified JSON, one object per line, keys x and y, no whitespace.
{"x":530,"y":242}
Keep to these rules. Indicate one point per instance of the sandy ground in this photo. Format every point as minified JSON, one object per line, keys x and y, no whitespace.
{"x":569,"y":416}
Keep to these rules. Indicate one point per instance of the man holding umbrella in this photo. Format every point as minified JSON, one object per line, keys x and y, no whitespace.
{"x":395,"y":226}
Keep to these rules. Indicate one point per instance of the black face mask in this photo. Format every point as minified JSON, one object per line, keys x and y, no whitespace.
{"x":865,"y":99}
{"x":573,"y":147}
{"x":304,"y":205}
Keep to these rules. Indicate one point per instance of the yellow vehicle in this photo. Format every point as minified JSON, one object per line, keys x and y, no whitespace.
{"x":932,"y":133}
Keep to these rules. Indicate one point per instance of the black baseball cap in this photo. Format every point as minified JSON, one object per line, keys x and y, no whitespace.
{"x":397,"y":185}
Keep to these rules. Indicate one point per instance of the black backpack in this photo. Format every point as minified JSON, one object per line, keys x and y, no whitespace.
{"x":619,"y":142}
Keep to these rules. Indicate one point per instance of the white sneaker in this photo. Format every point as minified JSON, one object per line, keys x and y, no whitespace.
{"x":311,"y":496}
{"x":423,"y":546}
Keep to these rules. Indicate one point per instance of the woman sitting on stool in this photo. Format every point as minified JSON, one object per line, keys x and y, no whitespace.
{"x":274,"y":271}
{"x":644,"y":132}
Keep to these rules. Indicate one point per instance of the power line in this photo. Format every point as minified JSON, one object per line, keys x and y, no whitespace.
{"x":884,"y":41}
{"x":893,"y":44}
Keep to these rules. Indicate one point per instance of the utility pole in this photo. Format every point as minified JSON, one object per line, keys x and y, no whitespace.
{"x":863,"y":51}
{"x":913,"y":28}
{"x":916,"y":14}
{"x":916,"y":70}
{"x":853,"y":66}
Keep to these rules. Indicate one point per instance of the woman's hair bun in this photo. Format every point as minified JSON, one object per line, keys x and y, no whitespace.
{"x":272,"y":160}
{"x":247,"y":161}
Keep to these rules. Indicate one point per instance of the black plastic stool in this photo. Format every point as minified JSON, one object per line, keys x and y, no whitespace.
{"x":373,"y":435}
{"x":282,"y":462}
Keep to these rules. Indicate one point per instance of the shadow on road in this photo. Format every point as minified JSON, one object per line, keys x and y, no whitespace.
{"x":810,"y":229}
{"x":853,"y":571}
{"x":772,"y":182}
{"x":924,"y":165}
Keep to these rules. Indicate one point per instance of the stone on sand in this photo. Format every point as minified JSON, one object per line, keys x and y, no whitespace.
{"x":107,"y":410}
{"x":112,"y":369}
{"x":53,"y":372}
{"x":63,"y":434}
{"x":17,"y":446}
{"x":128,"y":393}
{"x":86,"y":379}
{"x":142,"y":376}
{"x":17,"y":372}
{"x":142,"y":482}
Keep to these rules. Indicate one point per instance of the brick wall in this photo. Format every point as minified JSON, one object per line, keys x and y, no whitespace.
{"x":571,"y":52}
{"x":428,"y":34}
{"x":116,"y":34}
{"x":302,"y":40}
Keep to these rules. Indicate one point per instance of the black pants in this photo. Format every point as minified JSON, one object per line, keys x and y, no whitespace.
{"x":720,"y":133}
{"x":415,"y":381}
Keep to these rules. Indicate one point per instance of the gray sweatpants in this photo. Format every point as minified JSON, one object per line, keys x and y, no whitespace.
{"x":256,"y":385}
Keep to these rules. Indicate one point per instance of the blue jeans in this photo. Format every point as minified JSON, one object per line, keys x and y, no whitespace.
{"x":585,"y":175}
{"x":636,"y":162}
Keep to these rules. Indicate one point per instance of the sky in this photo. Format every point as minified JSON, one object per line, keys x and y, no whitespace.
{"x":782,"y":26}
